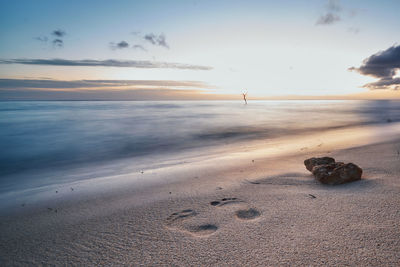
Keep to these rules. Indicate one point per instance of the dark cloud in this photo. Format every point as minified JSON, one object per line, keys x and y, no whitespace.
{"x":333,"y":8}
{"x":120,"y":45}
{"x":154,"y":39}
{"x":383,"y":65}
{"x":58,"y":33}
{"x":385,"y":83}
{"x":161,"y":41}
{"x":151,"y":38}
{"x":123,"y":44}
{"x":58,"y":43}
{"x":106,"y":63}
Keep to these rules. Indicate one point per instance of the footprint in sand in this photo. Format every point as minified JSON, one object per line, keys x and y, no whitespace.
{"x":246,"y":213}
{"x":203,"y":229}
{"x":225,"y":201}
{"x":184,"y":221}
{"x":179,"y":216}
{"x":187,"y":220}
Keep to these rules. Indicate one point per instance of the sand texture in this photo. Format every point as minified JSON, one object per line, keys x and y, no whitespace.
{"x":264,"y":212}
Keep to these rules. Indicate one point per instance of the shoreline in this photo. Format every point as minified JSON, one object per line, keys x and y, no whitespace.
{"x":165,"y":216}
{"x":164,"y":170}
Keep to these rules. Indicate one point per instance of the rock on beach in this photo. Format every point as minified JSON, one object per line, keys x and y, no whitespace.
{"x":327,"y":171}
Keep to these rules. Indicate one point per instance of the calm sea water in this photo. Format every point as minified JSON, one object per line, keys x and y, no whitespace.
{"x":48,"y":135}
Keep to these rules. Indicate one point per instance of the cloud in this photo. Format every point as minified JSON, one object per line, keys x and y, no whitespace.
{"x":76,"y":84}
{"x":58,"y":33}
{"x":57,"y":84}
{"x":151,"y":38}
{"x":58,"y":43}
{"x":106,"y":63}
{"x":43,"y":39}
{"x":120,"y":45}
{"x":385,"y":83}
{"x":154,"y":39}
{"x":327,"y":19}
{"x":45,"y":89}
{"x":333,"y":8}
{"x":140,"y":47}
{"x":383,"y":65}
{"x":112,"y":94}
{"x":124,"y":44}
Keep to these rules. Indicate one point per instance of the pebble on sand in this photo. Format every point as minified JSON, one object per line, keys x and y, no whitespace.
{"x":327,"y":171}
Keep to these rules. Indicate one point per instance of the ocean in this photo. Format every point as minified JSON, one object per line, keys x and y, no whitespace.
{"x":41,"y":142}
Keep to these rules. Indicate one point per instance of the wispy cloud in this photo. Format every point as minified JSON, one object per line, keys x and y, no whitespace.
{"x":139,"y":47}
{"x":154,"y":39}
{"x":106,"y":63}
{"x":58,"y":43}
{"x":331,"y":15}
{"x":383,"y":65}
{"x":124,"y":44}
{"x":334,"y":6}
{"x":57,"y":84}
{"x":45,"y":89}
{"x":112,"y":94}
{"x":328,"y":19}
{"x":43,"y":39}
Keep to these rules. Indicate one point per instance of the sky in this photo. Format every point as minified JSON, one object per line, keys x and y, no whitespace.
{"x":217,"y":49}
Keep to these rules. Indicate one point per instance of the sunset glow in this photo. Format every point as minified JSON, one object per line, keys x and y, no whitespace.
{"x":275,"y":49}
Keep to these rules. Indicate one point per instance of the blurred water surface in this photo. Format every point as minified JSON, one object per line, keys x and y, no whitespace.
{"x":39,"y":135}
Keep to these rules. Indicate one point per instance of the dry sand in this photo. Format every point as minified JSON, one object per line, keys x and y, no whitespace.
{"x":241,"y":209}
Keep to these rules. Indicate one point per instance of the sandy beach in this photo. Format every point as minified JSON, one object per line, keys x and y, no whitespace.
{"x":255,"y":206}
{"x":200,"y":133}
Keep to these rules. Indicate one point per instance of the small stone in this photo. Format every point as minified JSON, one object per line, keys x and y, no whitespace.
{"x":312,"y":162}
{"x":327,"y":171}
{"x":337,"y":173}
